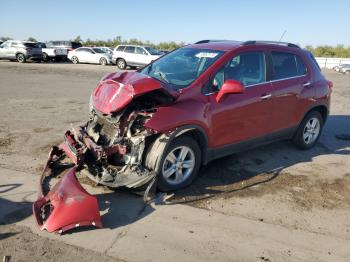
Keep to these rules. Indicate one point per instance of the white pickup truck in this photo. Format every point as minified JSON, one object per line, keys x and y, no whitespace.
{"x":53,"y":53}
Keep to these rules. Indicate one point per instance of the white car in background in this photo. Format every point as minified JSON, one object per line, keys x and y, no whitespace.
{"x":134,"y":55}
{"x":91,"y":55}
{"x":53,"y":53}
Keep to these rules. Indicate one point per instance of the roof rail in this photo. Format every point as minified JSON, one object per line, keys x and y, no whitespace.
{"x":209,"y":41}
{"x":253,"y":42}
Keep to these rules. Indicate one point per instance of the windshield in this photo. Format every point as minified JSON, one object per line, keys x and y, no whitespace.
{"x":98,"y":50}
{"x":181,"y":67}
{"x":152,"y":51}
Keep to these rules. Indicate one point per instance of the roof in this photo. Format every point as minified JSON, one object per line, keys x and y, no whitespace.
{"x":226,"y":45}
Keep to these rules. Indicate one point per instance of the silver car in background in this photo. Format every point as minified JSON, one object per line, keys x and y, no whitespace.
{"x":20,"y":51}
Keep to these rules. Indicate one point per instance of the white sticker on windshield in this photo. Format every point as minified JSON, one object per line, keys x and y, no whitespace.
{"x":206,"y":55}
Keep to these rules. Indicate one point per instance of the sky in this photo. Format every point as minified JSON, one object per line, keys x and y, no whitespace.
{"x":307,"y":22}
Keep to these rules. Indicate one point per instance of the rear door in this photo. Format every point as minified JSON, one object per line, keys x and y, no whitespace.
{"x":4,"y":49}
{"x":130,"y":55}
{"x":141,"y":56}
{"x":242,"y":117}
{"x":289,"y":79}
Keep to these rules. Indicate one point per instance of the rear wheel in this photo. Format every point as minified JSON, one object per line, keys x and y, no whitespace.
{"x":309,"y":131}
{"x":177,"y":166}
{"x":46,"y":57}
{"x":121,"y":64}
{"x":75,"y":60}
{"x":103,"y":61}
{"x":21,"y":58}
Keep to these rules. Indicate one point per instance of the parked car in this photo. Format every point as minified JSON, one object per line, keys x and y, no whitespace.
{"x":89,"y":55}
{"x":20,"y":51}
{"x":344,"y":68}
{"x":196,"y":104}
{"x":158,"y":125}
{"x":53,"y":53}
{"x":70,"y":45}
{"x":337,"y":68}
{"x":134,"y":55}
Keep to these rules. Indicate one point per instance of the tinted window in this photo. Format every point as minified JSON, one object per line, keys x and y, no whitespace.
{"x":130,"y":49}
{"x":120,"y":48}
{"x":314,"y":60}
{"x":287,"y":65}
{"x":301,"y":68}
{"x":248,"y":68}
{"x":31,"y":45}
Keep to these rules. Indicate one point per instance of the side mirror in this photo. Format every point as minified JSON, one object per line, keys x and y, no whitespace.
{"x":229,"y":87}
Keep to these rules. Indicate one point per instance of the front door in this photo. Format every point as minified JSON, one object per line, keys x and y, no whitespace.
{"x":241,"y":117}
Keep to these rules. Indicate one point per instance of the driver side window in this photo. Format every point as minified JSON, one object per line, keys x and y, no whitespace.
{"x":248,"y":68}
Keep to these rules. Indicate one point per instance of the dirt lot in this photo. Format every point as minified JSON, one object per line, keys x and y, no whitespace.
{"x":275,"y":185}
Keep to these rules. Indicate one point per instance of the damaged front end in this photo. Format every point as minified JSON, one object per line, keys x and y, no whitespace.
{"x":109,"y":149}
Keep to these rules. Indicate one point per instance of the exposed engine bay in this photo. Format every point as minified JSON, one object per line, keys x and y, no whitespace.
{"x":109,"y":149}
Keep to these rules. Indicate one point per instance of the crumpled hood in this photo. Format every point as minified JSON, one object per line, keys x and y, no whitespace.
{"x":117,"y":90}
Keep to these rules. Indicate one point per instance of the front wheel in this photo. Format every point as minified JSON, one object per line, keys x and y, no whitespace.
{"x":309,"y":131}
{"x":177,"y":166}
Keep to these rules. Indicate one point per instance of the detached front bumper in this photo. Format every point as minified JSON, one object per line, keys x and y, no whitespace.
{"x":66,"y":206}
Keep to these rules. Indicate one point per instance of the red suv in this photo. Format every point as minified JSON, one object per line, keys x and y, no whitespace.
{"x":195,"y":104}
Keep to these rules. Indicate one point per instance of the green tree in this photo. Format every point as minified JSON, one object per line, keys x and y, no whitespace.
{"x":31,"y":39}
{"x":5,"y":38}
{"x":78,"y":39}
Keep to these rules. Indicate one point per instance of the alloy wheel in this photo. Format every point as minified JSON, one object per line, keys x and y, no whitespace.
{"x":311,"y":130}
{"x":178,"y":165}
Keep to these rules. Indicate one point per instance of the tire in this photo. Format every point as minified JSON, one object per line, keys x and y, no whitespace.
{"x":309,"y":131}
{"x":21,"y":58}
{"x":159,"y":158}
{"x":75,"y":60}
{"x":121,"y":64}
{"x":46,"y":57}
{"x":103,"y":61}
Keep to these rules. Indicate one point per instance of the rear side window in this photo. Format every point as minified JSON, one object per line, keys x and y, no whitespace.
{"x":314,"y":60}
{"x":301,"y":68}
{"x":130,"y":49}
{"x":31,"y":45}
{"x":121,"y":48}
{"x":287,"y":65}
